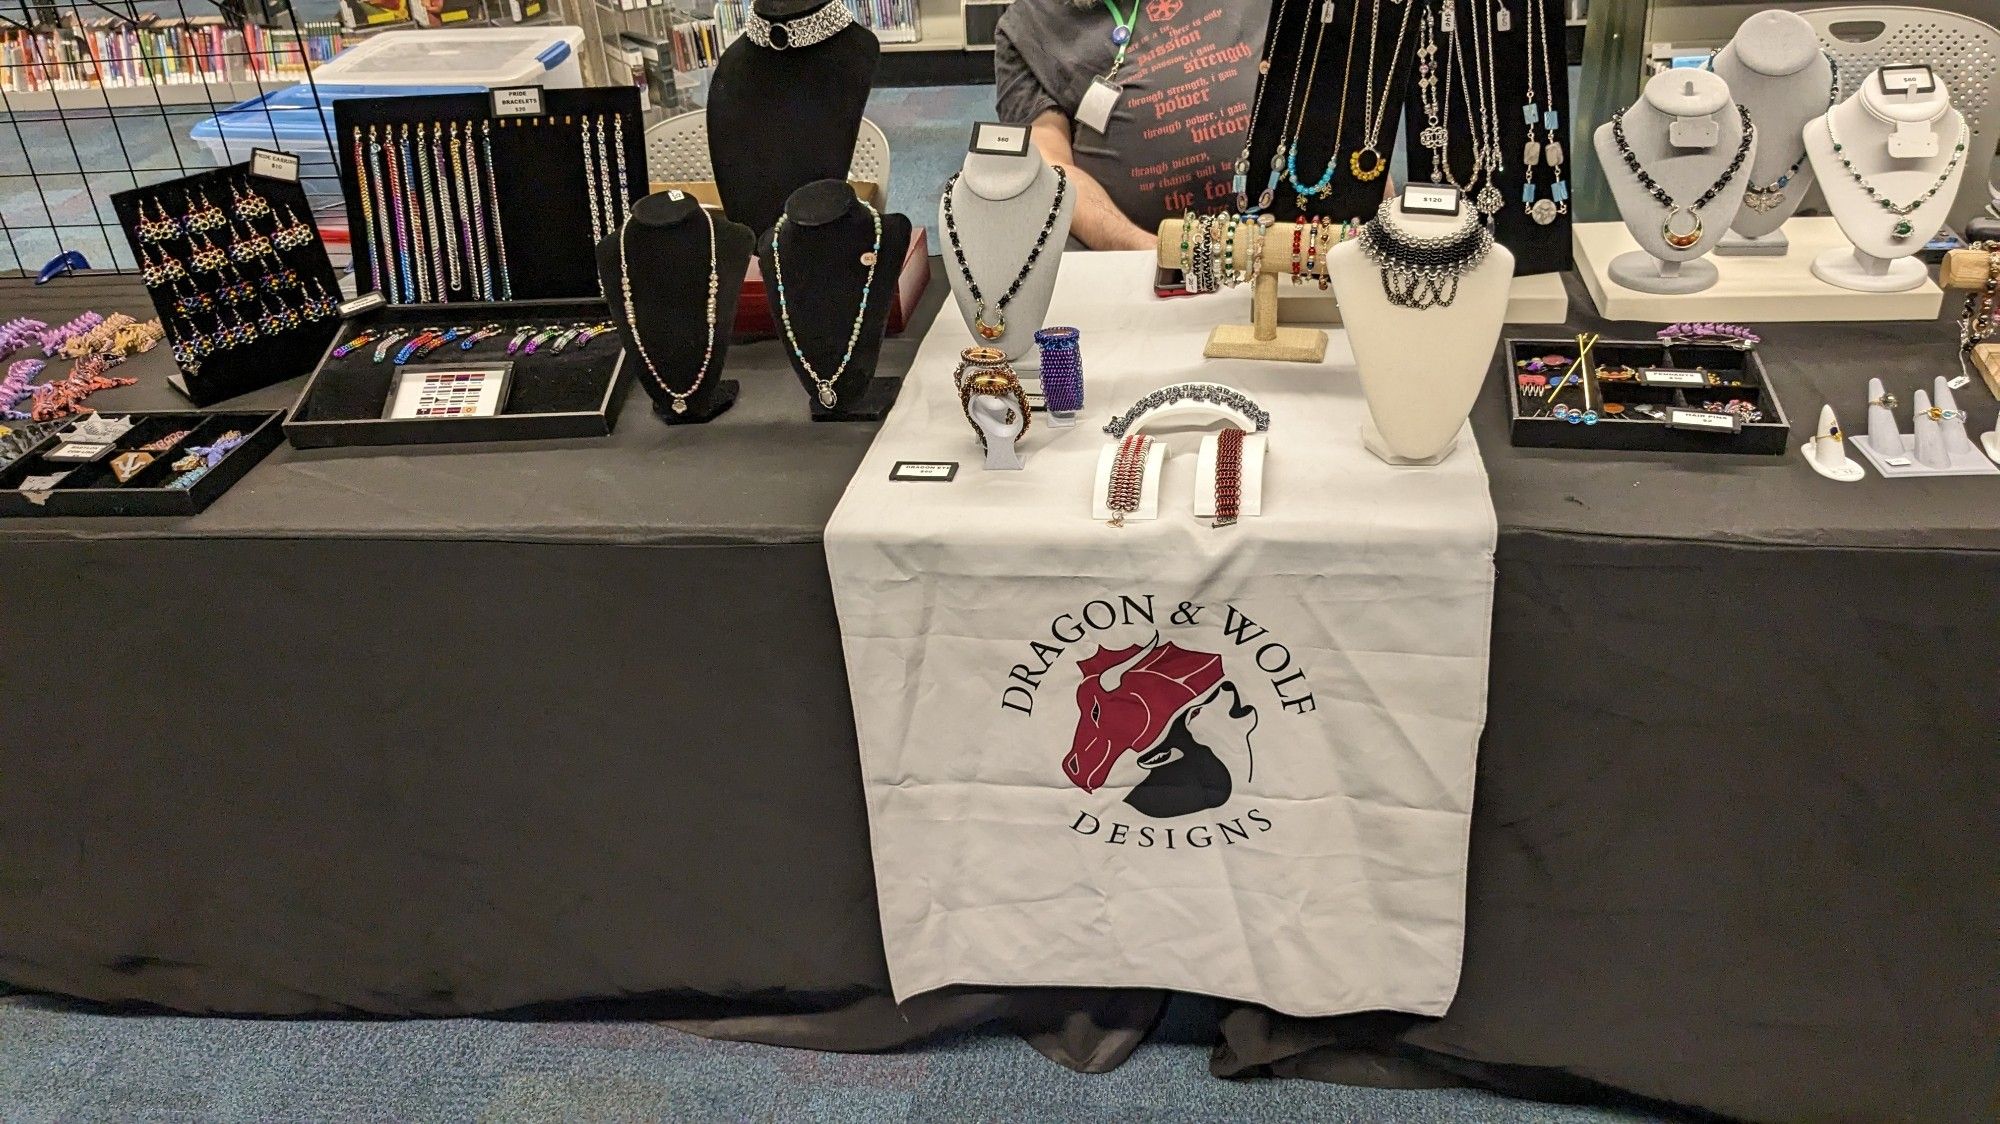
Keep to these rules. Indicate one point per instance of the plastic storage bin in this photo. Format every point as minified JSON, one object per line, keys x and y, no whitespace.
{"x":392,"y":64}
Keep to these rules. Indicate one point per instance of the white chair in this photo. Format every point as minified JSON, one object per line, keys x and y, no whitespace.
{"x":1964,"y":52}
{"x":677,"y":150}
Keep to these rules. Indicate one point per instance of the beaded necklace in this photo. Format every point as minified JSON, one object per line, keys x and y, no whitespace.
{"x":1241,"y":179}
{"x":998,"y":328}
{"x":1689,"y":238}
{"x":826,"y":394}
{"x":680,"y":397}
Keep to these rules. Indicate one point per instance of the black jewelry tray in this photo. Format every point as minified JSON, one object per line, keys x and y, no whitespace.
{"x":267,"y":359}
{"x":574,"y":394}
{"x":545,"y":218}
{"x":1533,"y":427}
{"x":92,"y":489}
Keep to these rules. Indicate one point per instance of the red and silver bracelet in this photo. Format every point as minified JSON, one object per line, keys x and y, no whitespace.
{"x":1228,"y":476}
{"x":1128,"y":477}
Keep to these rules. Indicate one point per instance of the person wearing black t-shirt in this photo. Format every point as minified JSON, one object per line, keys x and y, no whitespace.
{"x":1170,"y":138}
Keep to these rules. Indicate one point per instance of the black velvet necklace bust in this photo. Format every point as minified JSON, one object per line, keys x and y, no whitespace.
{"x":778,"y":120}
{"x":667,"y":247}
{"x":826,"y":233}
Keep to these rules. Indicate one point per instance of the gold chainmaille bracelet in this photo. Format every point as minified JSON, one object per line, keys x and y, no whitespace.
{"x":998,"y":382}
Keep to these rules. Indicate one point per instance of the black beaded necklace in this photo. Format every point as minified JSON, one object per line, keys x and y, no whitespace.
{"x":997,"y":329}
{"x":1689,"y":238}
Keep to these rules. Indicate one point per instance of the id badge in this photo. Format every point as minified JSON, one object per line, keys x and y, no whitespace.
{"x":1094,"y":111}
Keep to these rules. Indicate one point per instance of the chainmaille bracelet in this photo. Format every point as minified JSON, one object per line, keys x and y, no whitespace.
{"x":1128,"y":477}
{"x":996,"y":382}
{"x":1212,"y":393}
{"x":1062,"y":369}
{"x":1710,"y":332}
{"x":1228,"y":476}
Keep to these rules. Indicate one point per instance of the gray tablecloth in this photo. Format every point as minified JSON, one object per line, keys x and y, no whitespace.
{"x":467,"y":729}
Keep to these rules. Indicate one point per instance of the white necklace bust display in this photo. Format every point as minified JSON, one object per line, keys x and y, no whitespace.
{"x":1672,"y":178}
{"x":1889,"y":182}
{"x":1420,"y":369}
{"x":1775,"y":69}
{"x":994,"y":214}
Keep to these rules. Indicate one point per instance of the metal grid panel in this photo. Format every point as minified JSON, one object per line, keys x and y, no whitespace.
{"x":103,"y":97}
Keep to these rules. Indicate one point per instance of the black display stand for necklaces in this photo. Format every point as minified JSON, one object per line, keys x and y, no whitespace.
{"x":781,"y":119}
{"x":668,"y":253}
{"x":826,"y":233}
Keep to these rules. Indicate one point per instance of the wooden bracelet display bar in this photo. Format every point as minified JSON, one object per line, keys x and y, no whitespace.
{"x":1968,"y":270}
{"x":1964,"y":269}
{"x":1262,"y":338}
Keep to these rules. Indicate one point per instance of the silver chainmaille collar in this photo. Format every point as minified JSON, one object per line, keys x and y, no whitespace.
{"x":1191,"y":392}
{"x":807,"y":31}
{"x":1419,"y":272}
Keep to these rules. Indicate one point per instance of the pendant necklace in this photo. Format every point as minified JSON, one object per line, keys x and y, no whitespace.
{"x":1486,"y":120}
{"x":998,"y":328}
{"x":1768,"y":197}
{"x":1241,"y":179}
{"x":1549,"y":148}
{"x":680,"y":398}
{"x":1375,"y":108}
{"x":1688,"y":238}
{"x":1903,"y":228}
{"x":1324,"y":185}
{"x":824,"y":386}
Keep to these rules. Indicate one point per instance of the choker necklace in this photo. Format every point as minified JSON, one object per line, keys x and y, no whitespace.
{"x":1418,"y":272}
{"x":998,"y":328}
{"x":808,"y":31}
{"x":1692,"y":236}
{"x":824,"y":386}
{"x":1768,"y":197}
{"x":1904,"y":227}
{"x":680,"y":398}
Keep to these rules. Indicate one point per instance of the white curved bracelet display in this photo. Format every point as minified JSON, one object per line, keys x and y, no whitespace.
{"x":1209,"y":401}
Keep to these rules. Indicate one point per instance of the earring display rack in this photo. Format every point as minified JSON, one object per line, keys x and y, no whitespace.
{"x":1638,"y":395}
{"x":238,"y":274}
{"x":455,"y":204}
{"x":195,"y":456}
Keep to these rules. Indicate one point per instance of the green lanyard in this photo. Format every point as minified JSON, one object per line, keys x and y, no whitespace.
{"x":1121,"y":33}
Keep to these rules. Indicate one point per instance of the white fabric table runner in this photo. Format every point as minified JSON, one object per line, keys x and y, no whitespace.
{"x":1271,"y":727}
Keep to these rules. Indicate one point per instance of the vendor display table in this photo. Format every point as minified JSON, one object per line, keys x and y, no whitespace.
{"x":454,"y":730}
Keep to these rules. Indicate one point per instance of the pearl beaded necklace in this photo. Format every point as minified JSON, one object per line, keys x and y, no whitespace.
{"x":679,"y":397}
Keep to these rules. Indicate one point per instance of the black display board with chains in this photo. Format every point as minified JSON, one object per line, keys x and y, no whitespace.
{"x":1327,"y":102}
{"x":1317,"y":99}
{"x":239,"y":277}
{"x":1538,"y":247}
{"x":525,"y":199}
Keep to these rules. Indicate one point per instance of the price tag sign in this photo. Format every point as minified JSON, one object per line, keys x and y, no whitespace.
{"x":517,"y":101}
{"x":79,"y":451}
{"x":366,"y":302}
{"x":1708,"y":421}
{"x":991,"y":138}
{"x":274,"y":165}
{"x":1671,"y":376}
{"x":1913,"y":79}
{"x":1432,"y":199}
{"x":937,"y":472}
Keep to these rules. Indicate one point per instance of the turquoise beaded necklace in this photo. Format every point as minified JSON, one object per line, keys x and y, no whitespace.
{"x":826,"y":394}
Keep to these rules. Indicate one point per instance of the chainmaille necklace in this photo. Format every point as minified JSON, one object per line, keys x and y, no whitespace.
{"x":827,"y":396}
{"x":1767,"y":197}
{"x":1421,"y":273}
{"x":680,"y":397}
{"x":807,"y":31}
{"x":1692,"y":236}
{"x":998,"y":328}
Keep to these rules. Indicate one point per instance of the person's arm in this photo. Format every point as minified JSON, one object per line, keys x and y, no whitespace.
{"x":1098,"y":223}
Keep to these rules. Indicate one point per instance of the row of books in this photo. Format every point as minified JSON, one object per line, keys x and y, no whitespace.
{"x":895,"y":21}
{"x":109,"y":54}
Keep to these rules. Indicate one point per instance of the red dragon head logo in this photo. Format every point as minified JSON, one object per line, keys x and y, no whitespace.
{"x":1128,"y":700}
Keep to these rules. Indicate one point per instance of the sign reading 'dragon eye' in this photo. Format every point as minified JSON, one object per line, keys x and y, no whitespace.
{"x":1173,"y":703}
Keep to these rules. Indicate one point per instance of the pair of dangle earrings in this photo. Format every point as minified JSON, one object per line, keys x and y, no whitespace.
{"x":159,"y":272}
